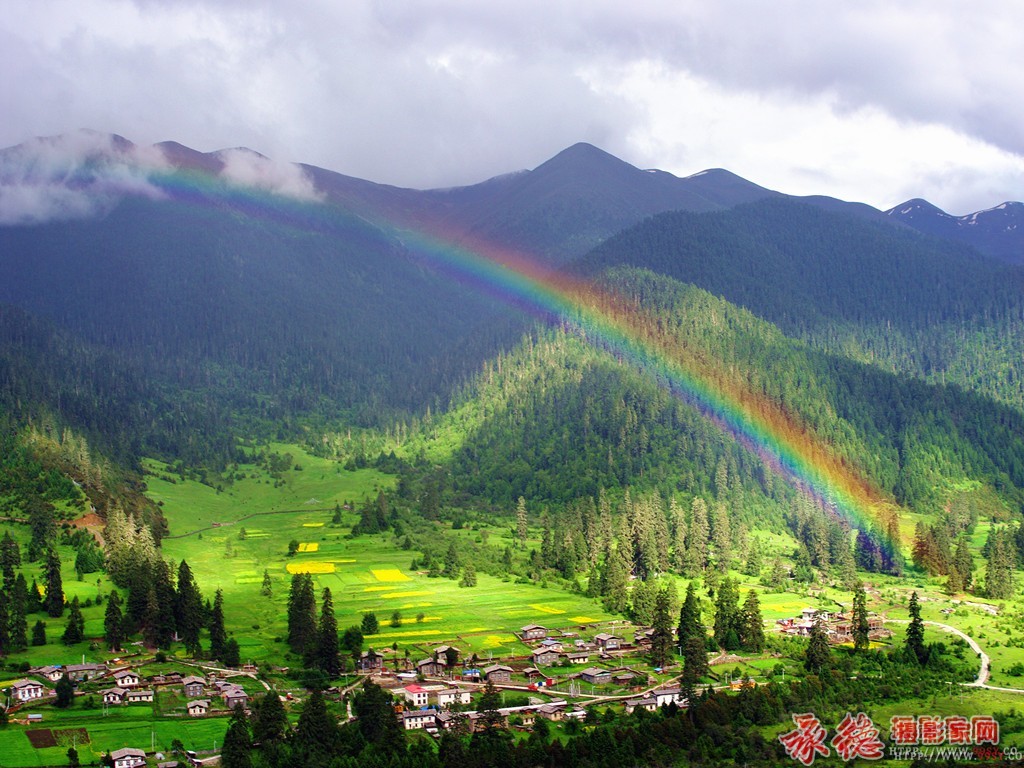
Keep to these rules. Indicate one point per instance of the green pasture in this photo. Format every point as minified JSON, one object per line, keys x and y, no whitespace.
{"x":478,"y":620}
{"x":128,"y":726}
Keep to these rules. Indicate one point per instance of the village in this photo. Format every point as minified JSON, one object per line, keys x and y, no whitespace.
{"x":561,"y":673}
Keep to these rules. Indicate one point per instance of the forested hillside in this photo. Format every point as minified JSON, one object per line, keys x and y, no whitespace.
{"x":864,"y":291}
{"x":557,"y":419}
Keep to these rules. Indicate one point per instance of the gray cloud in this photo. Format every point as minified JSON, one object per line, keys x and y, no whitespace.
{"x":442,"y":92}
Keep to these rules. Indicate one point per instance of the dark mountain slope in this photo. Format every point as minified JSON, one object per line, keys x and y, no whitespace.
{"x":997,"y":232}
{"x":557,"y":419}
{"x":300,"y":308}
{"x":866,"y":291}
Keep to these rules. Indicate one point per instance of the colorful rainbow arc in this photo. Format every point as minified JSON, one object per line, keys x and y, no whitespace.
{"x":616,"y":324}
{"x":611,"y":322}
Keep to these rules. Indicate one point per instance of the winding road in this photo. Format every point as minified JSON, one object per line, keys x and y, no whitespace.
{"x":986,"y":662}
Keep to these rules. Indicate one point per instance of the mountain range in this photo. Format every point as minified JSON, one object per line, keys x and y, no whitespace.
{"x":164,"y":302}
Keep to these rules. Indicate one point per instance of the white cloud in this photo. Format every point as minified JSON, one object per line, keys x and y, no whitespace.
{"x":72,"y":176}
{"x":248,"y":168}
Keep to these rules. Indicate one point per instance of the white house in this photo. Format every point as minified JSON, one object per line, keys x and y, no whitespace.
{"x":449,"y":696}
{"x":114,"y":695}
{"x":666,"y":696}
{"x":416,"y":695}
{"x":26,"y":690}
{"x":419,"y":719}
{"x":198,"y":707}
{"x":128,"y":758}
{"x":140,"y":695}
{"x":125,"y":678}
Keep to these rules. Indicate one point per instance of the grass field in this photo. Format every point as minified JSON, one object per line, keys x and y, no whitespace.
{"x":364,"y":574}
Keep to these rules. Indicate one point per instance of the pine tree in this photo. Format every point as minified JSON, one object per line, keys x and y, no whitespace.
{"x":267,"y":589}
{"x":689,"y":617}
{"x":18,"y":614}
{"x":74,"y":632}
{"x":451,"y":562}
{"x":54,"y":603}
{"x":644,"y":602}
{"x":697,"y":538}
{"x":327,"y":658}
{"x":468,"y":575}
{"x":661,"y":637}
{"x":861,"y":641}
{"x":752,"y":625}
{"x":963,"y":562}
{"x":236,"y":751}
{"x":218,"y":633}
{"x":113,"y":622}
{"x":615,"y":591}
{"x":65,"y":691}
{"x":755,"y":558}
{"x":270,"y":721}
{"x":818,"y":657}
{"x":727,"y":615}
{"x":521,"y":523}
{"x":720,"y":537}
{"x":678,"y":517}
{"x":163,"y":625}
{"x":999,"y":569}
{"x":915,"y":632}
{"x":5,"y":634}
{"x":39,"y":633}
{"x":375,"y":718}
{"x":301,"y":613}
{"x":316,"y":732}
{"x":189,"y":610}
{"x":370,"y":625}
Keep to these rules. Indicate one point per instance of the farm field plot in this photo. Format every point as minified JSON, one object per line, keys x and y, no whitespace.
{"x":96,"y":733}
{"x":365,"y":574}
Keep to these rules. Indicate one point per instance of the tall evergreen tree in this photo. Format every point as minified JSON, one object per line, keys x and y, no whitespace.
{"x":1000,"y":562}
{"x":963,"y":562}
{"x":689,"y":617}
{"x":369,"y":625}
{"x":39,"y":633}
{"x":818,"y":655}
{"x":18,"y":614}
{"x":661,"y":637}
{"x":327,"y":657}
{"x":189,"y":610}
{"x":521,"y":523}
{"x":316,"y":732}
{"x":861,"y":641}
{"x":751,"y":623}
{"x":54,"y":603}
{"x":375,"y":718}
{"x":113,"y":622}
{"x":236,"y":751}
{"x":218,"y":633}
{"x":5,"y":631}
{"x":915,"y":632}
{"x":697,"y":538}
{"x":270,"y":721}
{"x":615,"y":580}
{"x":727,"y":616}
{"x":65,"y":691}
{"x":301,"y":613}
{"x":74,"y":631}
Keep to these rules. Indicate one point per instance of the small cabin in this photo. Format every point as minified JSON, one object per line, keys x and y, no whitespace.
{"x":198,"y":707}
{"x":534,"y":632}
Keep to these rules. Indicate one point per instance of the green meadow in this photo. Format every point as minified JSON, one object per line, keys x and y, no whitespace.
{"x":365,"y":574}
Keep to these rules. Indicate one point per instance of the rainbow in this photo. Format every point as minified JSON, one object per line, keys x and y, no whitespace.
{"x":615,"y":324}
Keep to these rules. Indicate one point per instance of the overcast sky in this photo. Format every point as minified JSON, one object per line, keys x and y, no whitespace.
{"x":872,"y":101}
